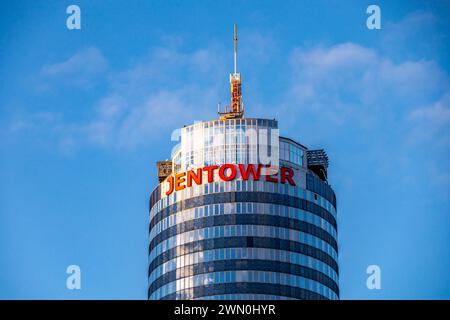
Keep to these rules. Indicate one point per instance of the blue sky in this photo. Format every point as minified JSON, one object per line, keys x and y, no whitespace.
{"x":85,"y":114}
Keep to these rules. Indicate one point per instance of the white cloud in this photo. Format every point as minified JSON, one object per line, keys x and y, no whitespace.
{"x":144,"y":102}
{"x":370,"y":109}
{"x":34,"y":121}
{"x":119,"y":124}
{"x":351,"y":84}
{"x":101,"y":130}
{"x":81,"y":69}
{"x":432,"y":123}
{"x":438,"y":113}
{"x":333,"y":91}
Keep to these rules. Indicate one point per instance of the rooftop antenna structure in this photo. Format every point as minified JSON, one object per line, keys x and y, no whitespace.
{"x":236,"y":110}
{"x":235,"y":49}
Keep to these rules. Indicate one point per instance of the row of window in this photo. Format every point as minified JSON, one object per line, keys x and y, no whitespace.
{"x":261,"y":277}
{"x":244,"y":288}
{"x":233,"y":122}
{"x":241,"y":186}
{"x":234,"y":154}
{"x":245,"y":296}
{"x":249,"y":185}
{"x":241,"y":208}
{"x":243,"y":197}
{"x":291,"y":152}
{"x":243,"y":265}
{"x":242,"y":220}
{"x":224,"y":142}
{"x":243,"y":253}
{"x":316,"y":185}
{"x":242,"y":242}
{"x":242,"y":230}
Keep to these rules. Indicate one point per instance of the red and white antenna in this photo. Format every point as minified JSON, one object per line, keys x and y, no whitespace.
{"x":236,"y":110}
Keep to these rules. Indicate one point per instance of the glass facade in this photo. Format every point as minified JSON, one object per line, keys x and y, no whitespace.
{"x":244,"y":238}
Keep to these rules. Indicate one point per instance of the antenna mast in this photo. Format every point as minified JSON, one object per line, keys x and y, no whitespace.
{"x":236,"y":110}
{"x":235,"y":48}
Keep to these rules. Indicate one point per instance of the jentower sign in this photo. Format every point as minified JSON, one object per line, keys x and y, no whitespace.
{"x":228,"y":172}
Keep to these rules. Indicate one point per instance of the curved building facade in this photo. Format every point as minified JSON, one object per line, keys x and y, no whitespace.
{"x":243,"y":213}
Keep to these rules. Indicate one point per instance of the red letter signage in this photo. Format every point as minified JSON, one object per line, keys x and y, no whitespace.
{"x":228,"y":172}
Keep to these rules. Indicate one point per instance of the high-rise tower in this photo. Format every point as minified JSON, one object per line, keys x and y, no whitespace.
{"x":242,"y":213}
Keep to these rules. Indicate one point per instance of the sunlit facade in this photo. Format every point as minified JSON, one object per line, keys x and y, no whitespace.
{"x":249,"y":237}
